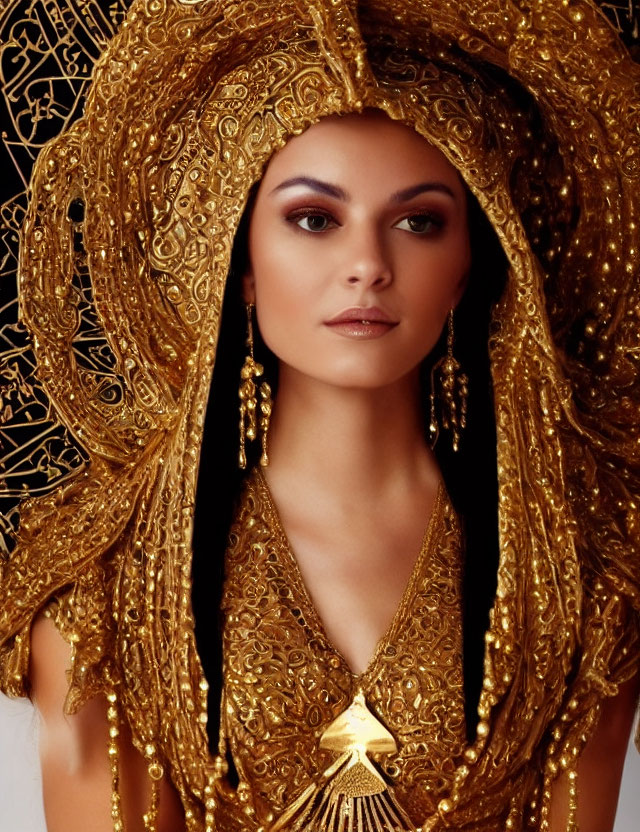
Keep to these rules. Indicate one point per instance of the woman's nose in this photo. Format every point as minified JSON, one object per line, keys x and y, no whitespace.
{"x":367,"y":263}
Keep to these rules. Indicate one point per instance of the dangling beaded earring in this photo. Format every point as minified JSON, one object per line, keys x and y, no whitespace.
{"x":249,"y":402}
{"x":453,"y":392}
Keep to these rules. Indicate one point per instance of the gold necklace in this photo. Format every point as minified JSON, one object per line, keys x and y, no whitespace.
{"x":353,"y":795}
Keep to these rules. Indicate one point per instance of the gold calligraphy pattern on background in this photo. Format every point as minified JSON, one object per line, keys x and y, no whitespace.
{"x":625,"y":16}
{"x":48,"y":51}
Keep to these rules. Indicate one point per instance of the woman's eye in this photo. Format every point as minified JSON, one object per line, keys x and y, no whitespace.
{"x":313,"y":222}
{"x":420,"y":224}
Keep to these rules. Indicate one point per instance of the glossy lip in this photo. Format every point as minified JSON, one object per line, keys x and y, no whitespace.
{"x":362,"y":315}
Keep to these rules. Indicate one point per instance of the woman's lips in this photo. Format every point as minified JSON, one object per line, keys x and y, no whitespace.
{"x":362,"y":322}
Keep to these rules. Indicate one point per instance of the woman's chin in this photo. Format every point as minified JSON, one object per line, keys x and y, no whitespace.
{"x":353,"y":378}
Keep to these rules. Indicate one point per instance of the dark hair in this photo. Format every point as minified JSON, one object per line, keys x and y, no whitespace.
{"x":470,"y":474}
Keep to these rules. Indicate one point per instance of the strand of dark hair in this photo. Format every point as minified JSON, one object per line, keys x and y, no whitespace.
{"x":470,"y":474}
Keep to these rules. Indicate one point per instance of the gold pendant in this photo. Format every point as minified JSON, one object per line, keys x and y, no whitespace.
{"x":353,"y":795}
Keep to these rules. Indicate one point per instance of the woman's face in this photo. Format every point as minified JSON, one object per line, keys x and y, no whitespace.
{"x":358,"y":249}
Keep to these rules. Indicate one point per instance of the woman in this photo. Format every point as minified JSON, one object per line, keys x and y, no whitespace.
{"x":110,"y":560}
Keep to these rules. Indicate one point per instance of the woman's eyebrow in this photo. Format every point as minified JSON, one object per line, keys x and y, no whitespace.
{"x":315,"y":185}
{"x":336,"y":192}
{"x":424,"y":187}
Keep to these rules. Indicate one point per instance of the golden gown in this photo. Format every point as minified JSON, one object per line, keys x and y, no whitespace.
{"x":285,"y":683}
{"x":536,"y":104}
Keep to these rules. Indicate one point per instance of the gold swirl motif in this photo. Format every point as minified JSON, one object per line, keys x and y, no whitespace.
{"x":47,"y":53}
{"x":164,"y":161}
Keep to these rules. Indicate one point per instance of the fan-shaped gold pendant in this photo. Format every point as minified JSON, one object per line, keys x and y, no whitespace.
{"x":353,"y":795}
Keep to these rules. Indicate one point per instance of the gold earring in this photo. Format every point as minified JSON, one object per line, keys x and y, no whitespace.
{"x":249,"y":402}
{"x":453,"y":392}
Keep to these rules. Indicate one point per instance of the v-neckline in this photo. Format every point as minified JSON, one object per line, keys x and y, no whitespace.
{"x":304,"y":596}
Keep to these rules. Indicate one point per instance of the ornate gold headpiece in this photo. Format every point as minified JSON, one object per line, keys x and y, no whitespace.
{"x":536,"y":105}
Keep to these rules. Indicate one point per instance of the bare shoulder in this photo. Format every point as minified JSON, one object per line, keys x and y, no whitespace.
{"x":76,"y":772}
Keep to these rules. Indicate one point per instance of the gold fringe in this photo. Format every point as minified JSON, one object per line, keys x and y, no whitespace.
{"x":572,"y":820}
{"x":114,"y":762}
{"x":154,"y":768}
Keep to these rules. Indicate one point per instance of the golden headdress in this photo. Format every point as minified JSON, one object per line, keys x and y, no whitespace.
{"x":536,"y":104}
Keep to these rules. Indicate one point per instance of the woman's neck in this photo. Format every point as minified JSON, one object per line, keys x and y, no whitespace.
{"x":349,"y":440}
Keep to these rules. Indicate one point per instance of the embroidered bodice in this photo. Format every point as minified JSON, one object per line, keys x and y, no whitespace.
{"x":285,"y":682}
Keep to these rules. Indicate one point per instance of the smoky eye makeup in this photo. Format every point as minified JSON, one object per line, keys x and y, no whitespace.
{"x":311,"y":219}
{"x":313,"y":212}
{"x":422,"y":223}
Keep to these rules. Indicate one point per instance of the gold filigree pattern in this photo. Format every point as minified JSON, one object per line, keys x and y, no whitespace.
{"x":285,"y":682}
{"x":537,"y":105}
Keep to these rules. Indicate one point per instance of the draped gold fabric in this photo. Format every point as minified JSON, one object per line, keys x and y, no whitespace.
{"x":536,"y":103}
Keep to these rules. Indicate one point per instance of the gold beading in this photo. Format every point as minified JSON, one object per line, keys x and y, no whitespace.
{"x":536,"y":103}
